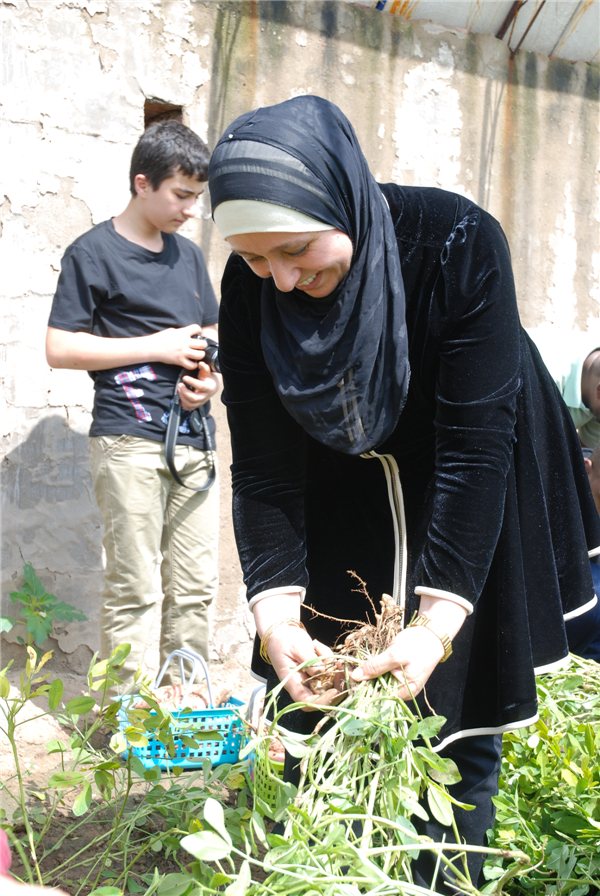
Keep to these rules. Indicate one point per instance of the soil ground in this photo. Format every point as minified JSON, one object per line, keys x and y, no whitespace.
{"x":77,"y":844}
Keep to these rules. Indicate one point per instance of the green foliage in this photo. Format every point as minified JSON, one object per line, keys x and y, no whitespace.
{"x":547,"y":836}
{"x":38,"y":609}
{"x":549,"y":800}
{"x":348,"y":828}
{"x":369,"y":765}
{"x":102,"y":789}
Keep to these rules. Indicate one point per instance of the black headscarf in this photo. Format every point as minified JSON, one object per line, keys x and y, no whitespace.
{"x":340,"y":364}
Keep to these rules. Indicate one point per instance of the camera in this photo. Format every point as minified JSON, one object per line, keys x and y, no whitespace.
{"x":211,"y":354}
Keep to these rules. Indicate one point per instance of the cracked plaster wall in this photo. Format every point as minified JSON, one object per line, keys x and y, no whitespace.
{"x":431,"y":106}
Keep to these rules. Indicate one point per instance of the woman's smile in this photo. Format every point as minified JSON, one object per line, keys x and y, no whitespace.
{"x":314,"y":262}
{"x":306,"y":283}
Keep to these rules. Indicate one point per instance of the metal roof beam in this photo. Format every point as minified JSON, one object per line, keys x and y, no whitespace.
{"x":526,"y":32}
{"x":512,"y":14}
{"x":570,"y":24}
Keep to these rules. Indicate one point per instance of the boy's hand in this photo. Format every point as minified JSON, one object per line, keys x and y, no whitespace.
{"x":177,"y":346}
{"x":194,"y":392}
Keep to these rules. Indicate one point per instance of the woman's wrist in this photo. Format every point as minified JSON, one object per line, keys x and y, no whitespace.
{"x":277,"y":592}
{"x":445,"y":595}
{"x":446,"y":617}
{"x":272,"y":610}
{"x":445,"y":643}
{"x":266,"y":638}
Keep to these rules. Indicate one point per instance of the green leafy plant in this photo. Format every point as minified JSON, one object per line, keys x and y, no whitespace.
{"x":549,"y":800}
{"x":179,"y":833}
{"x":546,"y":841}
{"x":348,"y":828}
{"x":121,"y":812}
{"x":34,"y":685}
{"x":38,"y":610}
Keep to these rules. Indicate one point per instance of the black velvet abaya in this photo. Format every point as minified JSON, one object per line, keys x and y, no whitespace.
{"x":496,"y":499}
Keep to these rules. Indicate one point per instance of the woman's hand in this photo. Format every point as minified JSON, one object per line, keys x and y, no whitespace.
{"x":411,"y":658}
{"x":290,"y":646}
{"x":416,"y":651}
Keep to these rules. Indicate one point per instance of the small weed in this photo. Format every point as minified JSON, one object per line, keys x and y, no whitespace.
{"x":38,"y":610}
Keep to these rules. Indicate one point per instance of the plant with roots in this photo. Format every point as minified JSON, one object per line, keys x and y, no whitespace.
{"x":366,"y":771}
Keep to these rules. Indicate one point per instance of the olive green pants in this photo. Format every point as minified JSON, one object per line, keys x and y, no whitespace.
{"x":147,"y":514}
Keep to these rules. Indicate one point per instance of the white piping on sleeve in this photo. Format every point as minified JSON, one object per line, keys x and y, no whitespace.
{"x":594,"y":552}
{"x":581,"y":610}
{"x":257,"y":677}
{"x":271,"y":592}
{"x":446,"y":595}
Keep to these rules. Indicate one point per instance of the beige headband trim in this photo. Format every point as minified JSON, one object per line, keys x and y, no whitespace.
{"x":251,"y":216}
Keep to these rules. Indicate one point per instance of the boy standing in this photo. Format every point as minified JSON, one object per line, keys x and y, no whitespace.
{"x":131,"y":296}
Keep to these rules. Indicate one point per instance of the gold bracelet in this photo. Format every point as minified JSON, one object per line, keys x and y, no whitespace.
{"x":264,"y":641}
{"x":446,"y":642}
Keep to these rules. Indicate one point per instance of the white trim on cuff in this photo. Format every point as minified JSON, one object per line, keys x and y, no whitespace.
{"x":581,"y":610}
{"x":594,"y":552}
{"x":271,"y":592}
{"x":445,"y":595}
{"x":553,"y":667}
{"x":475,"y":732}
{"x":258,"y":677}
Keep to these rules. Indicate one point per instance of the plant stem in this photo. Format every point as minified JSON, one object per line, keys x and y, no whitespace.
{"x":117,"y":823}
{"x":511,"y":872}
{"x":11,"y":714}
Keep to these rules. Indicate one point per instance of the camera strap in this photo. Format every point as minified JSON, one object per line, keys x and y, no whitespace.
{"x":198,"y":424}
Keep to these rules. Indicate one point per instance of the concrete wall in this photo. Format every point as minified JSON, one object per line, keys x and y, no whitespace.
{"x":431,"y":105}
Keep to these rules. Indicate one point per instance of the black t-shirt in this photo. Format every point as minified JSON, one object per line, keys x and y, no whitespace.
{"x":112,"y":287}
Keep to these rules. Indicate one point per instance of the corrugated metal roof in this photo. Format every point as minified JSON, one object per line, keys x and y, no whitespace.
{"x":566,"y":28}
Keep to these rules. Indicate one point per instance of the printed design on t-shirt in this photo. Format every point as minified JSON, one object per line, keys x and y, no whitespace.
{"x":184,"y":426}
{"x":125,"y":377}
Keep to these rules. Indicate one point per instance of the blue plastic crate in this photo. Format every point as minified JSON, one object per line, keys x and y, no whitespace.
{"x":224,"y":719}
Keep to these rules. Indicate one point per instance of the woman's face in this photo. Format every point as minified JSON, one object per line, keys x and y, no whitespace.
{"x":312,"y":262}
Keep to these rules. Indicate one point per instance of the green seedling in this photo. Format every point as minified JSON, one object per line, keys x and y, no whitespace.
{"x":38,"y":610}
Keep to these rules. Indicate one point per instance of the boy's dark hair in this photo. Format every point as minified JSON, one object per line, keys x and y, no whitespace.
{"x":165,"y":148}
